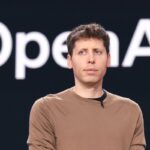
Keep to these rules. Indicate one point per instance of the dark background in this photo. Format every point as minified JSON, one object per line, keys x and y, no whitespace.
{"x":51,"y":18}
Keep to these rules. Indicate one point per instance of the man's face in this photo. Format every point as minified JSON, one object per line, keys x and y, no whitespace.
{"x":89,"y":60}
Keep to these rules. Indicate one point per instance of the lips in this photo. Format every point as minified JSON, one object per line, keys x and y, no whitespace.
{"x":90,"y":71}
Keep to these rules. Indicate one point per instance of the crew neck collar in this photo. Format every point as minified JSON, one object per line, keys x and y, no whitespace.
{"x":92,"y":100}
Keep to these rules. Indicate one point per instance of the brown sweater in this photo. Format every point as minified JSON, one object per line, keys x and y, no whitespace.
{"x":66,"y":121}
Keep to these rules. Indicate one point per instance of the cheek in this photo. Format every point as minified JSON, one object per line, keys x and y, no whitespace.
{"x":105,"y":61}
{"x":77,"y":63}
{"x":77,"y":67}
{"x":102,"y":62}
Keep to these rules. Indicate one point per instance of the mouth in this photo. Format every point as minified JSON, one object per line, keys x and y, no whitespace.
{"x":90,"y":71}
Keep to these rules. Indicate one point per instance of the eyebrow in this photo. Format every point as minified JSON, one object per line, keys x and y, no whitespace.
{"x":85,"y":49}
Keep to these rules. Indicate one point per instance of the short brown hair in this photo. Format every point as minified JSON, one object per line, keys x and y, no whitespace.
{"x":92,"y":30}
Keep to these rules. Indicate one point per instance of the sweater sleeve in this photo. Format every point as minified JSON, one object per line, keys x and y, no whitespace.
{"x":41,"y":131}
{"x":138,"y":141}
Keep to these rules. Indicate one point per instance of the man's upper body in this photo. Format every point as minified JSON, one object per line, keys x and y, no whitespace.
{"x":67,"y":121}
{"x":74,"y":119}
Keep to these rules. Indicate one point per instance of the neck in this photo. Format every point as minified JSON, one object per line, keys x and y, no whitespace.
{"x":88,"y":91}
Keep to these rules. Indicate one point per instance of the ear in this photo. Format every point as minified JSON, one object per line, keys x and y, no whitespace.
{"x":108,"y":60}
{"x":69,"y":61}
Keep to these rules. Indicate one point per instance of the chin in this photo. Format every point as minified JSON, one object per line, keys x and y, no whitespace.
{"x":91,"y":82}
{"x":92,"y":79}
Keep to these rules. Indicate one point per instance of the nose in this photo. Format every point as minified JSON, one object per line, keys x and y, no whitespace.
{"x":91,"y":59}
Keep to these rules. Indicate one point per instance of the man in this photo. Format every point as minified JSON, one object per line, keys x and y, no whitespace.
{"x":86,"y":117}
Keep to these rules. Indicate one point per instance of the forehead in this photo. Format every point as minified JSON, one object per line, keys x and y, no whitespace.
{"x":89,"y":42}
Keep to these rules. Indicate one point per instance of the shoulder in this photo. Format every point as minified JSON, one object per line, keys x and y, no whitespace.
{"x":50,"y":100}
{"x":62,"y":95}
{"x":125,"y":102}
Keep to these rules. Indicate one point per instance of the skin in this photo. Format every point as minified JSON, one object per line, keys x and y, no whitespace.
{"x":89,"y":62}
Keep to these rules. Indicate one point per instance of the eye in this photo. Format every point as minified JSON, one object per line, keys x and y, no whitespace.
{"x":97,"y":51}
{"x":82,"y":52}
